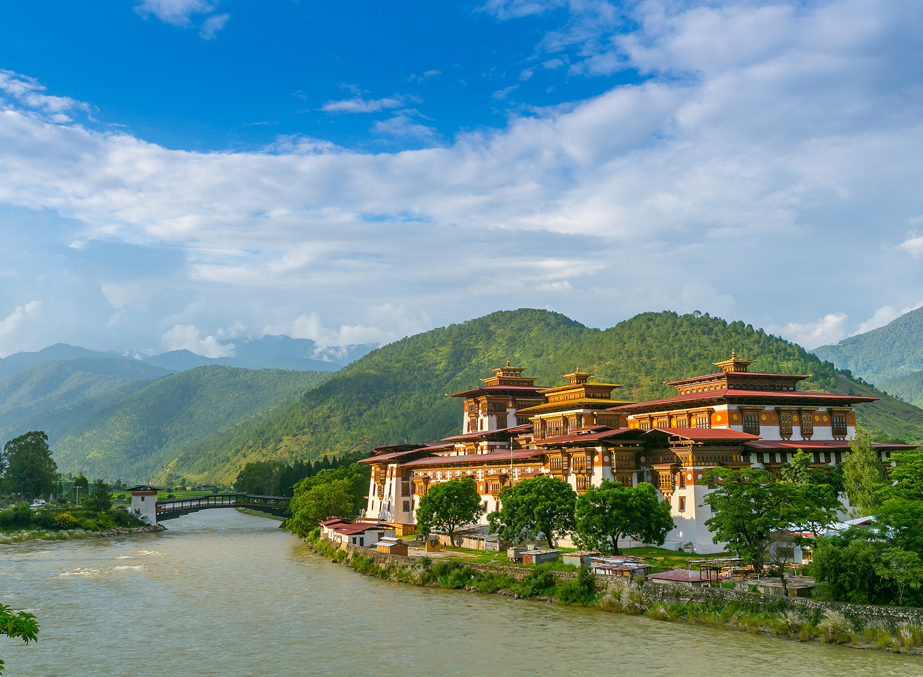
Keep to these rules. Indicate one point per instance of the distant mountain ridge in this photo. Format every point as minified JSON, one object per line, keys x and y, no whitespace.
{"x":138,"y":435}
{"x":396,"y":393}
{"x":882,"y":354}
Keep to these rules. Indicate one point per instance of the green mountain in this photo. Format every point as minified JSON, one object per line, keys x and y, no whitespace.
{"x":397,"y":392}
{"x":139,"y":434}
{"x":882,"y":354}
{"x":51,"y":385}
{"x":57,"y":422}
{"x":909,"y":388}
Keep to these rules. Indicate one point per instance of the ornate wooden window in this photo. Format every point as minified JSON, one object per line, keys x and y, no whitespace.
{"x":666,"y":482}
{"x":578,"y":463}
{"x":682,"y":504}
{"x":556,"y":464}
{"x":681,"y":421}
{"x":807,"y":424}
{"x":839,"y":425}
{"x":785,"y":424}
{"x":645,"y":424}
{"x":662,"y":422}
{"x":701,"y":421}
{"x":494,"y":489}
{"x":752,"y":422}
{"x":583,"y":483}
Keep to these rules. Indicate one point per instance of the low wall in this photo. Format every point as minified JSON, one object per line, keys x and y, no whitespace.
{"x":862,"y":615}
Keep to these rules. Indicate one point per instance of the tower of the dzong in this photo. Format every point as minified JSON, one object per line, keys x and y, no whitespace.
{"x":494,"y":405}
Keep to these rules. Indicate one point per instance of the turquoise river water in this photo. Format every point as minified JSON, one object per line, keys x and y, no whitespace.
{"x":222,"y":593}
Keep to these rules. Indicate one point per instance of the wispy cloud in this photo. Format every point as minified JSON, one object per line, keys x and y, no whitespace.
{"x":913,"y":245}
{"x":30,"y":93}
{"x":501,"y":94}
{"x":359,"y":105}
{"x":212,"y":25}
{"x":187,"y":337}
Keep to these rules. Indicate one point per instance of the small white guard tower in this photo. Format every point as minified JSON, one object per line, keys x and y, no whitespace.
{"x":144,"y":502}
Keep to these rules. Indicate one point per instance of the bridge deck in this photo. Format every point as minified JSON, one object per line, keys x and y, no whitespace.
{"x":176,"y":507}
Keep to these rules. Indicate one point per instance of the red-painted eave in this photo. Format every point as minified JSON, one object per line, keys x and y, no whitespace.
{"x":704,"y":433}
{"x":629,"y":433}
{"x":733,"y":374}
{"x":496,"y":389}
{"x":484,"y":433}
{"x":476,"y":458}
{"x":732,"y":394}
{"x":399,"y":454}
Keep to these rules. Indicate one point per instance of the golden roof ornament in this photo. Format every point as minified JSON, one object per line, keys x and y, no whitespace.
{"x":735,"y":364}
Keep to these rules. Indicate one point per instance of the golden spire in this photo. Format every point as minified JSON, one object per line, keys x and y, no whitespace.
{"x":735,"y":364}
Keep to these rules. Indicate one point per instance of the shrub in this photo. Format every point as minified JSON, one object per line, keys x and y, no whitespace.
{"x":65,"y":521}
{"x":579,"y":590}
{"x":539,"y":581}
{"x":632,"y":599}
{"x":835,"y":627}
{"x":610,"y":603}
{"x":22,"y":515}
{"x":88,"y":524}
{"x":6,"y":517}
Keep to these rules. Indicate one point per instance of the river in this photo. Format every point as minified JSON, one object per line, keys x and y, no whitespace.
{"x":222,"y":593}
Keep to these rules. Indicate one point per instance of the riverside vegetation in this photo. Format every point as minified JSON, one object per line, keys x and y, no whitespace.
{"x":777,"y":617}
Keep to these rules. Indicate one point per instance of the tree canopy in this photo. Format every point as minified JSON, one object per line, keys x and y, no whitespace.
{"x":863,"y":476}
{"x":340,"y":492}
{"x":606,"y":513}
{"x":449,"y":505}
{"x":537,"y":507}
{"x":29,"y":468}
{"x":20,"y":625}
{"x":100,"y":499}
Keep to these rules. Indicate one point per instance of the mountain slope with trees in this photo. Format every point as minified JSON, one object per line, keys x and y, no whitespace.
{"x":397,"y":393}
{"x":881,"y":354}
{"x":909,"y":388}
{"x":51,"y":385}
{"x":138,"y":435}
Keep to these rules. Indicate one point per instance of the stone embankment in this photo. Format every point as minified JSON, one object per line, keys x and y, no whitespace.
{"x":898,"y":629}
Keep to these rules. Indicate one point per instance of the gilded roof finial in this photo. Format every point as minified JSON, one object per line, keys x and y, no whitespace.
{"x":508,"y":363}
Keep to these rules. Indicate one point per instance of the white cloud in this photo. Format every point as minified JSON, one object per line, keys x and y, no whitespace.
{"x":512,"y":9}
{"x":360,"y":105}
{"x":30,"y":93}
{"x":384,"y":324}
{"x":501,"y":94}
{"x":829,"y":329}
{"x":12,"y":323}
{"x":212,"y":25}
{"x":403,"y":126}
{"x":175,"y":12}
{"x":883,"y":316}
{"x":526,"y":74}
{"x":186,"y":337}
{"x":913,"y":245}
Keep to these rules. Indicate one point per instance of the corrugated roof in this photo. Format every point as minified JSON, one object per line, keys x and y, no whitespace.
{"x":681,"y":575}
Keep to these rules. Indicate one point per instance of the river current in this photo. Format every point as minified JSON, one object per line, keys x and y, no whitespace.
{"x":222,"y":593}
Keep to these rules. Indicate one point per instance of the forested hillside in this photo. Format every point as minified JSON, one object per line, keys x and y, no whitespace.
{"x":397,"y":393}
{"x":138,"y":435}
{"x":909,"y":388}
{"x":881,"y":354}
{"x":59,"y":383}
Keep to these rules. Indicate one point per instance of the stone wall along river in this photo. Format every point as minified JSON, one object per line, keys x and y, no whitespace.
{"x":226,"y":594}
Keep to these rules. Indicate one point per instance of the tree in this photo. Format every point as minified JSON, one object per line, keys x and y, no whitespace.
{"x":863,"y":476}
{"x":799,"y":471}
{"x":907,"y":474}
{"x":810,"y":507}
{"x":898,"y":522}
{"x":449,"y":505}
{"x":540,"y":506}
{"x":605,"y":514}
{"x":748,"y":506}
{"x":845,"y":567}
{"x":99,"y":500}
{"x":80,"y":487}
{"x":30,"y":470}
{"x":904,"y":568}
{"x":339,"y":492}
{"x":22,"y":625}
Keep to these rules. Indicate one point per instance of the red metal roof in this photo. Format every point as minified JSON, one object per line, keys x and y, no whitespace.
{"x":350,"y":529}
{"x":734,"y":375}
{"x":681,"y":575}
{"x":484,"y":433}
{"x":629,"y":433}
{"x":704,"y":433}
{"x":398,"y":454}
{"x":502,"y":455}
{"x":494,"y":389}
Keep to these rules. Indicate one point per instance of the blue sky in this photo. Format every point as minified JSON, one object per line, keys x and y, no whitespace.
{"x":191,"y":173}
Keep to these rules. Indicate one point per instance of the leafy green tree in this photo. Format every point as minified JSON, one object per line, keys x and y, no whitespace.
{"x":748,"y":505}
{"x":30,"y":470}
{"x":539,"y":506}
{"x":606,"y":513}
{"x":907,"y":474}
{"x":80,"y":488}
{"x":799,"y":471}
{"x":339,"y":492}
{"x":903,"y":568}
{"x":863,"y":475}
{"x":22,"y":625}
{"x":449,"y":505}
{"x":99,"y":500}
{"x":899,"y":522}
{"x":810,"y":507}
{"x":846,"y":567}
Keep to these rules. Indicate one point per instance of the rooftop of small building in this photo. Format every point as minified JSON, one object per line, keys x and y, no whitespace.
{"x":680,"y":575}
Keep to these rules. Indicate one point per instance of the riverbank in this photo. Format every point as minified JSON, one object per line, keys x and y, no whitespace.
{"x":257,"y":513}
{"x":895,"y":629}
{"x":46,"y":536}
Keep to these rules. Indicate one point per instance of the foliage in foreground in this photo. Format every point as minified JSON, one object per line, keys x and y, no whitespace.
{"x":449,"y":505}
{"x":537,"y":507}
{"x":330,"y":493}
{"x":21,"y":625}
{"x":606,"y":513}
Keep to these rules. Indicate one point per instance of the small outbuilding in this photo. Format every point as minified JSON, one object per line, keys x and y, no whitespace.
{"x":539,"y":556}
{"x":392,"y":546}
{"x":579,"y":558}
{"x":687,"y":577}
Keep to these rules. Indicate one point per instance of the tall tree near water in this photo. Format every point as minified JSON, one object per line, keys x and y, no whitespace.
{"x":29,"y":468}
{"x":448,"y":506}
{"x":329,"y":493}
{"x":605,"y":514}
{"x":863,"y":476}
{"x":540,"y":506}
{"x":99,"y":500}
